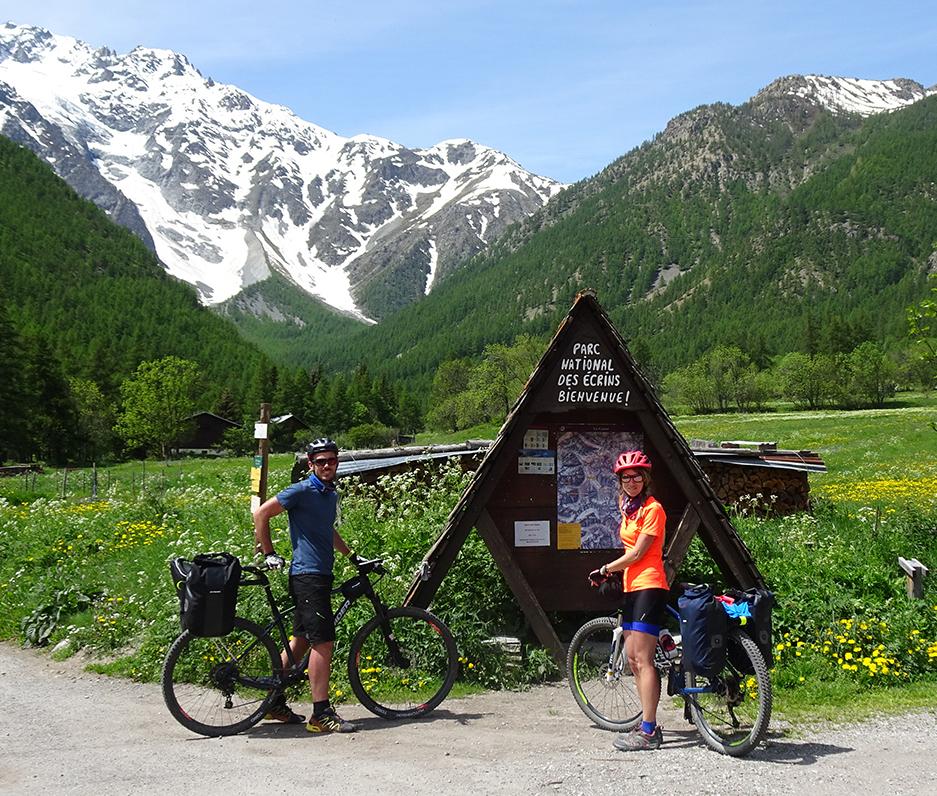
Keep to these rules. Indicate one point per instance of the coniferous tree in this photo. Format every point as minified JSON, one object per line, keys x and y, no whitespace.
{"x":13,"y":397}
{"x":51,"y":416}
{"x":94,"y":420}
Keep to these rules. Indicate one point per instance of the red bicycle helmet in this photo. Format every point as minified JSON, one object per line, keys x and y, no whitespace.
{"x":631,"y":460}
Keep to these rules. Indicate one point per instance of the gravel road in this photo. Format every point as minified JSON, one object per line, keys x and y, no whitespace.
{"x":65,"y":729}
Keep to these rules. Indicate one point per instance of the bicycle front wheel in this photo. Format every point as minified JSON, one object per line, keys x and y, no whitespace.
{"x":733,"y":717}
{"x":211,"y":684}
{"x":408,"y":672}
{"x":601,"y":679}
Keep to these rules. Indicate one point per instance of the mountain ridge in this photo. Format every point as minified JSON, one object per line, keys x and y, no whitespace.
{"x":228,"y":189}
{"x":689,"y":247}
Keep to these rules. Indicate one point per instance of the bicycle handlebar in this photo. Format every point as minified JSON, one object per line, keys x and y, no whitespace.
{"x":364,"y":566}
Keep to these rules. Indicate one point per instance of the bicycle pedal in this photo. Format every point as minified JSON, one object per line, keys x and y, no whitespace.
{"x":673,"y":683}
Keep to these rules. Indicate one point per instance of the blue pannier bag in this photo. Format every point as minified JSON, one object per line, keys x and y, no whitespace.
{"x":207,"y":587}
{"x":703,"y":625}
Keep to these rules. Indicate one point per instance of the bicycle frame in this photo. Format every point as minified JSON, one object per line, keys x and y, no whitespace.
{"x":617,"y":659}
{"x":352,"y":590}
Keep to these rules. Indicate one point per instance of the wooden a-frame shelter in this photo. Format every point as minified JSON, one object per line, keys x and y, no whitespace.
{"x":540,"y":497}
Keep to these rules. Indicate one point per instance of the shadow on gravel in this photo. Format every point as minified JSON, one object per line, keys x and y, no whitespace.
{"x":797,"y":753}
{"x":681,"y":739}
{"x":269,"y":729}
{"x":785,"y":752}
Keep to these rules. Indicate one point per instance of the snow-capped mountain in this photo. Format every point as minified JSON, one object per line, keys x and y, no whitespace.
{"x":846,"y":94}
{"x":227,"y":188}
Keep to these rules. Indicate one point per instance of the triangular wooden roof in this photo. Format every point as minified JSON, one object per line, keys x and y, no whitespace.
{"x":698,"y":507}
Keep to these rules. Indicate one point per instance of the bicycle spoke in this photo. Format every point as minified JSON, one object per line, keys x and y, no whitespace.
{"x":409,"y":675}
{"x":605,"y":691}
{"x":733,"y":716}
{"x":203,"y":679}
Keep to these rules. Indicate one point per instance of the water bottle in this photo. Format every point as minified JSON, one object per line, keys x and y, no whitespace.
{"x":667,"y":644}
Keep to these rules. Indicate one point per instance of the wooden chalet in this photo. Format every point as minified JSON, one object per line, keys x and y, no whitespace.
{"x":204,"y":435}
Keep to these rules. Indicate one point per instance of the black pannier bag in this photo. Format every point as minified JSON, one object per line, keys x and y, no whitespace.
{"x":208,"y":591}
{"x":703,"y":625}
{"x":760,"y":602}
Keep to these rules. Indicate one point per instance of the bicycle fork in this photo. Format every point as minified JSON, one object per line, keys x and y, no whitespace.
{"x":615,"y":656}
{"x":394,"y":653}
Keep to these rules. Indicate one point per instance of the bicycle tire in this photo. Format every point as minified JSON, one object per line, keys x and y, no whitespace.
{"x":403,"y":689}
{"x":200,"y":679}
{"x":734,"y":718}
{"x":610,"y":699}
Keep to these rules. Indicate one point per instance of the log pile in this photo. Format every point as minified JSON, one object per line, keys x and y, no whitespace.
{"x":761,"y":490}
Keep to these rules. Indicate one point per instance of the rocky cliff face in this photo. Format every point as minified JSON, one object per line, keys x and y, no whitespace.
{"x":228,"y":189}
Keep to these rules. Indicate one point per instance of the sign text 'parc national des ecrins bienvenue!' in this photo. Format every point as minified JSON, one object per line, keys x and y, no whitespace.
{"x":590,"y":376}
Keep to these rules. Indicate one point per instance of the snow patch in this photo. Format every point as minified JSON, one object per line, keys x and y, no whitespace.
{"x":865,"y":97}
{"x":433,"y":263}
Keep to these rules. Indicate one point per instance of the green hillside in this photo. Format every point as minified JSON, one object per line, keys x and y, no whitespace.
{"x":285,"y":321}
{"x":758,"y":226}
{"x":82,"y":297}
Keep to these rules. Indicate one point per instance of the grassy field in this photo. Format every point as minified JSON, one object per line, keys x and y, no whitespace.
{"x":878,"y":500}
{"x":90,"y":572}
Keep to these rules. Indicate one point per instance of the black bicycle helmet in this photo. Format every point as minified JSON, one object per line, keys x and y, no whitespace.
{"x":321,"y":445}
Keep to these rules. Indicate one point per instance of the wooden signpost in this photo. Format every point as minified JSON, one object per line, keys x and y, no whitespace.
{"x":544,"y":497}
{"x":914,"y":572}
{"x":259,"y":463}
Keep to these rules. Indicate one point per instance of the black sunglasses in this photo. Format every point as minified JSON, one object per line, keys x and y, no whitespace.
{"x":326,"y":461}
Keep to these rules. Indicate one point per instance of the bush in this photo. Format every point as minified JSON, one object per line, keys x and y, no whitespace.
{"x":368,"y":435}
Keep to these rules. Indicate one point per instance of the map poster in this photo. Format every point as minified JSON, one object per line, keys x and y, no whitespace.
{"x":586,"y":487}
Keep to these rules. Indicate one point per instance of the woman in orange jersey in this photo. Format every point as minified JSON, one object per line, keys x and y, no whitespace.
{"x":645,"y":586}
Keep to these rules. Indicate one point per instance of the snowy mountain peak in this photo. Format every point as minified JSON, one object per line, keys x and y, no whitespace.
{"x":847,"y":94}
{"x":228,"y":189}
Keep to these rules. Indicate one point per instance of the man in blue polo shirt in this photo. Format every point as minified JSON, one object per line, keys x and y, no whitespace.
{"x":311,"y":505}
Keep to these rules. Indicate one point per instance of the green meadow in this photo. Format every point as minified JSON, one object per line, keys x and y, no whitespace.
{"x":84,"y":559}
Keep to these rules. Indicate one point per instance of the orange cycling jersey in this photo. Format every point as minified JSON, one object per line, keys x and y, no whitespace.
{"x":648,"y":571}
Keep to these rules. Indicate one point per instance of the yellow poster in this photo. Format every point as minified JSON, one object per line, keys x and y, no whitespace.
{"x":568,"y":536}
{"x":255,"y":480}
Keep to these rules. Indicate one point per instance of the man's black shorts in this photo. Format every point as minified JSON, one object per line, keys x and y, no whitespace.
{"x":313,"y":619}
{"x":644,"y":610}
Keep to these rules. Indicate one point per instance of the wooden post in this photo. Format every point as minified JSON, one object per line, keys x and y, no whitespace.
{"x":914,"y":572}
{"x":259,"y":465}
{"x":679,"y":543}
{"x":539,"y":621}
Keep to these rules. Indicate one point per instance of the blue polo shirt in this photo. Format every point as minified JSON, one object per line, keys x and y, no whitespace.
{"x":311,"y":506}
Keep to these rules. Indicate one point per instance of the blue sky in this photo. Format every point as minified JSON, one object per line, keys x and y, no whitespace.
{"x":562,"y":86}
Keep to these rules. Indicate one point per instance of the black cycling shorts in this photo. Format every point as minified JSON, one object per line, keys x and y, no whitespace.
{"x":313,"y":618}
{"x":644,"y":610}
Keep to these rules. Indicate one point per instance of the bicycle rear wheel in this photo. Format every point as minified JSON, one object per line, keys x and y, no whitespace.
{"x":733,"y":718}
{"x":605,"y":690}
{"x":204,"y":679}
{"x":408,"y":683}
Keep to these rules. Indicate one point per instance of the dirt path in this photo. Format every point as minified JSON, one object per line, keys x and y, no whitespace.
{"x":75,"y":732}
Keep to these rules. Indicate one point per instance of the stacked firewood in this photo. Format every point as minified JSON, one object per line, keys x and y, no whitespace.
{"x":762,"y":490}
